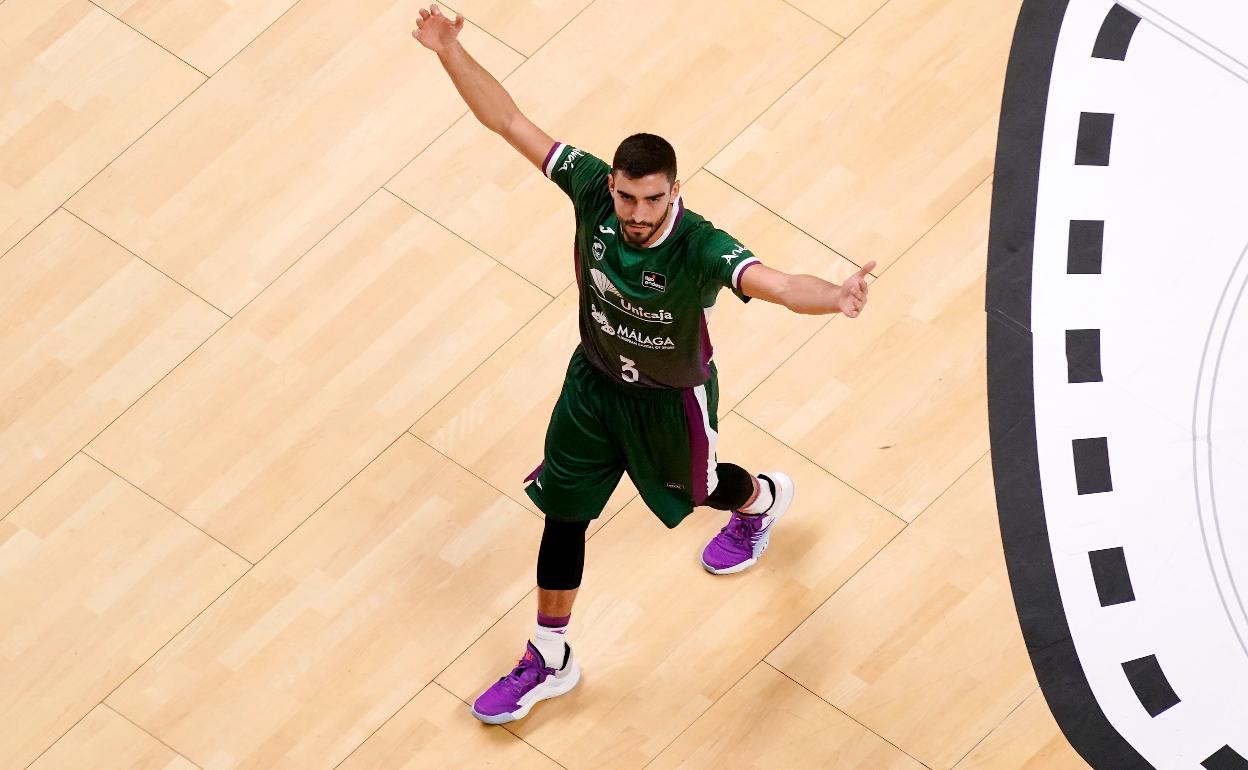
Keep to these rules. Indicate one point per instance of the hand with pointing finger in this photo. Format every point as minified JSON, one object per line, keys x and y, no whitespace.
{"x":435,"y":31}
{"x":853,"y":296}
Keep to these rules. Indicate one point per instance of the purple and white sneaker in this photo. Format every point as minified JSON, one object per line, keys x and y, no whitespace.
{"x":511,"y":697}
{"x":742,"y":541}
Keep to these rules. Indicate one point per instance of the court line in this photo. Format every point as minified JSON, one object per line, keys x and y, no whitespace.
{"x":1151,"y":687}
{"x":1114,"y":38}
{"x":1191,"y":42}
{"x":1196,"y":473}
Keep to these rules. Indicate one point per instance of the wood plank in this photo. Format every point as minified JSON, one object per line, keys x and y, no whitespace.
{"x":79,"y":87}
{"x":525,"y":25}
{"x":279,"y":147}
{"x":768,"y":721}
{"x":299,"y":392}
{"x":85,"y":330}
{"x":1028,"y":739}
{"x":436,"y":730}
{"x":94,"y":578}
{"x":477,"y":185}
{"x":661,"y":639}
{"x":888,"y":133}
{"x":752,"y":339}
{"x":922,"y":646}
{"x":104,"y":740}
{"x":343,"y":623}
{"x":203,"y":33}
{"x":494,"y":422}
{"x":843,"y":17}
{"x":894,"y":402}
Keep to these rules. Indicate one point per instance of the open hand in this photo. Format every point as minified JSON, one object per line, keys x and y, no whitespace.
{"x":435,"y":31}
{"x":854,"y":291}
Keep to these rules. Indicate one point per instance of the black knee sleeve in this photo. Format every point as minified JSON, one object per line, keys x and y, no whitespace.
{"x":735,"y":487}
{"x":561,"y":558}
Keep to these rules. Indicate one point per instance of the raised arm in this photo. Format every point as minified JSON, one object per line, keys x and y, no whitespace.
{"x":485,"y":96}
{"x":807,"y":293}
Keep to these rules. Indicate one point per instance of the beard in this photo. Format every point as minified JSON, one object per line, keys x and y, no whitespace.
{"x":638,"y":240}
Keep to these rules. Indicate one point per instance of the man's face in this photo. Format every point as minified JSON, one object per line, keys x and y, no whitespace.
{"x":642,"y":205}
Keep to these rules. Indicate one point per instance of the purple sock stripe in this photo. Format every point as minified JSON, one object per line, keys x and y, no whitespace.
{"x":536,"y":471}
{"x":549,"y":621}
{"x":699,"y":447}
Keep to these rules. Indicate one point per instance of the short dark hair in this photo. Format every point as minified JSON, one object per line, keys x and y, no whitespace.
{"x":644,"y":154}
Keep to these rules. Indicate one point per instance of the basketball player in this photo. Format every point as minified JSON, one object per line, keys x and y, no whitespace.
{"x":640,"y":393}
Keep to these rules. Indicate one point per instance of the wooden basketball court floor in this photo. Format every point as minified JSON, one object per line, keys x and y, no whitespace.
{"x":281,"y":326}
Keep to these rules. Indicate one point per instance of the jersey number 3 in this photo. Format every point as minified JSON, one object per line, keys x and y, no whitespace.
{"x":629,"y":370}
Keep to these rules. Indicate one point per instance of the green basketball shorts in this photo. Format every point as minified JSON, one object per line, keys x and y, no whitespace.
{"x":600,"y":428}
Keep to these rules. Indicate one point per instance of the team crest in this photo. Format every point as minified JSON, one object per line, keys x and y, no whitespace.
{"x":601,"y":319}
{"x":653,"y":280}
{"x":600,"y":249}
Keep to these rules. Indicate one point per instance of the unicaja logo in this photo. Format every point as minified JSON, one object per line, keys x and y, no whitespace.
{"x":612,"y":296}
{"x":603,"y":284}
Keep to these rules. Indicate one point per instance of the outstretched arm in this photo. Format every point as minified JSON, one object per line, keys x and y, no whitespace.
{"x":807,"y":293}
{"x":485,"y":96}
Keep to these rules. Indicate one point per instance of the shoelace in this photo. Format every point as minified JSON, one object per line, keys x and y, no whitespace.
{"x":524,"y":675}
{"x":741,"y":531}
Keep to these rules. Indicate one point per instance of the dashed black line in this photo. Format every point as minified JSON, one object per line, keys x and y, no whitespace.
{"x":1083,"y":356}
{"x":1091,"y":456}
{"x":1096,"y":134}
{"x":1225,"y":758}
{"x":1115,"y":35}
{"x":1150,"y":685}
{"x":1085,"y":247}
{"x":1110,"y":574}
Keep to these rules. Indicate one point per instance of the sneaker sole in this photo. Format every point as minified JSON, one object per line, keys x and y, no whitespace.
{"x":733,"y":569}
{"x":774,"y":476}
{"x":536,"y":695}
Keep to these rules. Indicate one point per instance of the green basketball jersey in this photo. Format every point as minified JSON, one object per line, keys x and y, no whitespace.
{"x":643,"y":310}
